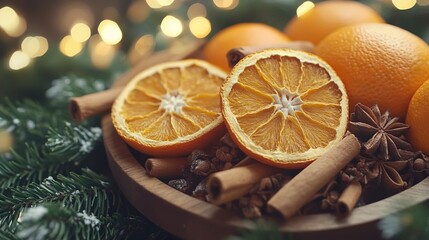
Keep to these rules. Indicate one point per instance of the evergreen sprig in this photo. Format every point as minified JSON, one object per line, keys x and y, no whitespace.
{"x":53,"y":221}
{"x":88,"y":192}
{"x":23,"y":169}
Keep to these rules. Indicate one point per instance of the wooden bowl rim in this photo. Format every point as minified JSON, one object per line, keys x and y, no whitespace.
{"x":138,"y":187}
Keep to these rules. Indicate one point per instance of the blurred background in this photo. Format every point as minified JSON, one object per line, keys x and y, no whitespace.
{"x":41,"y":40}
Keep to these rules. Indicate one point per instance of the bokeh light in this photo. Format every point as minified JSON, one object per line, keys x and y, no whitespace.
{"x":404,"y":4}
{"x":6,"y":141}
{"x":304,"y":8}
{"x":226,"y":4}
{"x":142,"y":47}
{"x":19,"y":60}
{"x":423,"y":2}
{"x":70,"y":47}
{"x":11,"y":22}
{"x":110,"y":32}
{"x":196,"y":10}
{"x":171,"y":26}
{"x":101,"y":53}
{"x":200,"y":27}
{"x":137,"y":11}
{"x":80,"y":32}
{"x":153,"y":4}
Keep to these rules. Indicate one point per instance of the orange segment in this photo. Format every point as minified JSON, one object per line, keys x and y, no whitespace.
{"x":284,"y":108}
{"x":254,"y":100}
{"x":171,"y":109}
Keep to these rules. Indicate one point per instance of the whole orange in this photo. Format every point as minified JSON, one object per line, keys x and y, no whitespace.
{"x":378,"y":63}
{"x":238,"y":35}
{"x":417,"y":118}
{"x":326,"y":17}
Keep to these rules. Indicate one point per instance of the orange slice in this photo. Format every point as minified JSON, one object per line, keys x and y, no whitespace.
{"x":284,"y":108}
{"x":171,"y":108}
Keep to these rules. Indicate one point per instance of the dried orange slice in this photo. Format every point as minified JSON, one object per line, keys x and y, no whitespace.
{"x":283,"y":107}
{"x":171,"y":108}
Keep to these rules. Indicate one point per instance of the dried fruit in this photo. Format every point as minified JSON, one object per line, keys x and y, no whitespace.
{"x":283,"y":107}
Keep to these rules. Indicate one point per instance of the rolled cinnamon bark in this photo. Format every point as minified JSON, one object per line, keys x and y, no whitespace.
{"x":236,"y":54}
{"x":233,"y":183}
{"x":301,"y":189}
{"x":349,"y":198}
{"x":166,"y":168}
{"x":83,"y":107}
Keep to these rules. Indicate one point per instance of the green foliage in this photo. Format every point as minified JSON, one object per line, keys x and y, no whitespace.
{"x":261,"y":230}
{"x":53,"y":221}
{"x":88,"y":192}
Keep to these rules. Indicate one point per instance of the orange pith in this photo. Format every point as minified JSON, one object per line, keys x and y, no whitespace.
{"x":284,"y":107}
{"x":171,"y":109}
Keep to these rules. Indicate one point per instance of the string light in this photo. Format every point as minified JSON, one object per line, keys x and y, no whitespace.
{"x":423,"y":3}
{"x":196,"y":10}
{"x":153,"y":4}
{"x":165,"y":3}
{"x":404,"y":4}
{"x":200,"y":27}
{"x":226,"y":4}
{"x":11,"y":22}
{"x":101,"y":53}
{"x":171,"y":26}
{"x":304,"y":8}
{"x":19,"y":60}
{"x":137,"y":11}
{"x":80,"y":32}
{"x":70,"y":47}
{"x":110,"y":32}
{"x":43,"y":46}
{"x":6,"y":141}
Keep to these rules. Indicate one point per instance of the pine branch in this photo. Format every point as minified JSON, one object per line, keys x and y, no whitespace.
{"x":22,"y":169}
{"x":87,"y":191}
{"x":52,"y":221}
{"x":66,"y":87}
{"x":7,"y":234}
{"x":66,"y":147}
{"x":26,"y":120}
{"x":72,"y":142}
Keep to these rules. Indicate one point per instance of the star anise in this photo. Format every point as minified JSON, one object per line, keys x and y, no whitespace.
{"x":386,"y":174}
{"x":381,"y":134}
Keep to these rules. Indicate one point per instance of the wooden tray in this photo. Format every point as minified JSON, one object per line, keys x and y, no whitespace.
{"x":190,"y":218}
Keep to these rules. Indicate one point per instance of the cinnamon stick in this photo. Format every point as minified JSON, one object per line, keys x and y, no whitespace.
{"x":236,"y":54}
{"x":301,"y":189}
{"x":349,"y":198}
{"x":233,"y":183}
{"x":83,"y":107}
{"x":166,"y":168}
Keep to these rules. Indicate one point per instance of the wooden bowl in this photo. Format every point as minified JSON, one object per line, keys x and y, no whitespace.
{"x":190,"y":218}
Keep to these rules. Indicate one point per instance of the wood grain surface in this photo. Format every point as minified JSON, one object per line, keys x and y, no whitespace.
{"x":190,"y":218}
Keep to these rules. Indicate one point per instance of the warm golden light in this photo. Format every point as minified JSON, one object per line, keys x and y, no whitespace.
{"x":226,"y":4}
{"x":43,"y":46}
{"x":153,"y":4}
{"x":142,"y":48}
{"x":304,"y":8}
{"x":423,"y":3}
{"x":200,"y":27}
{"x":165,"y":3}
{"x":34,"y":46}
{"x":197,"y":10}
{"x":11,"y":23}
{"x":19,"y":60}
{"x":6,"y":141}
{"x":80,"y":32}
{"x":171,"y":26}
{"x":70,"y":47}
{"x":404,"y":4}
{"x":137,"y":11}
{"x":101,"y":53}
{"x":110,"y":32}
